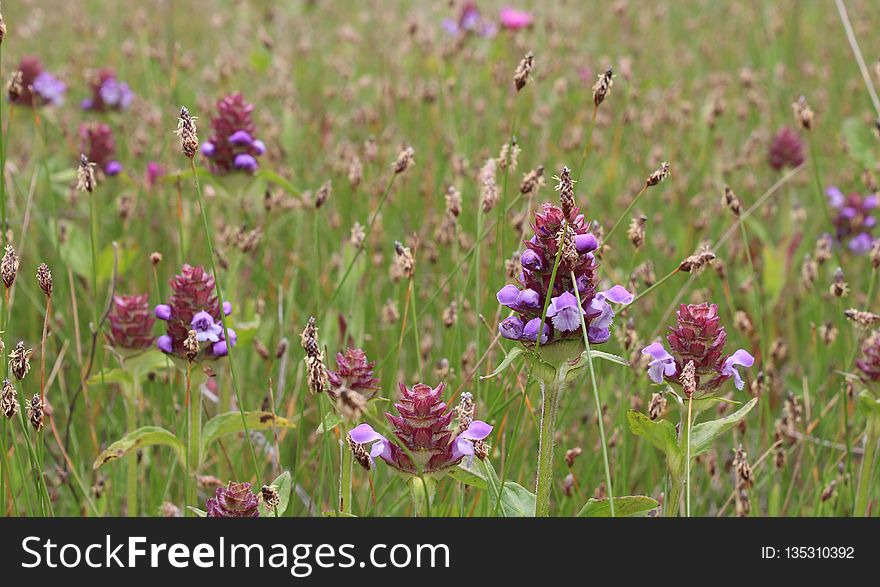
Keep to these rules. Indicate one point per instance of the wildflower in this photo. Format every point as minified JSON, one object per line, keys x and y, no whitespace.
{"x":316,"y":371}
{"x":85,"y":175}
{"x":186,"y":132}
{"x":855,"y":220}
{"x":514,"y":20}
{"x":352,"y":383}
{"x":532,"y":181}
{"x":8,"y":399}
{"x":194,"y":306}
{"x":44,"y":279}
{"x":404,"y":263}
{"x":839,"y":287}
{"x":20,"y":361}
{"x":786,"y":149}
{"x":36,"y":412}
{"x":657,"y":406}
{"x":697,"y":338}
{"x":9,"y":266}
{"x":563,"y":311}
{"x":744,"y":482}
{"x":108,"y":93}
{"x":35,"y":86}
{"x":523,"y":71}
{"x":131,"y":322}
{"x":602,"y":88}
{"x":233,"y":501}
{"x":423,"y":427}
{"x":862,"y":318}
{"x":97,"y":142}
{"x":470,"y":21}
{"x":233,"y":145}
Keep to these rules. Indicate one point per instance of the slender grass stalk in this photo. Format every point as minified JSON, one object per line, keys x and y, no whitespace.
{"x":588,"y":143}
{"x":625,"y":214}
{"x":596,"y":399}
{"x":346,"y":463}
{"x":872,"y":436}
{"x":131,"y":478}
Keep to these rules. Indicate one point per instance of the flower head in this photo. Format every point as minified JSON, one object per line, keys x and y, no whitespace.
{"x":513,"y":19}
{"x":233,"y":145}
{"x":108,"y":93}
{"x":194,"y":306}
{"x":786,"y":149}
{"x":37,"y":86}
{"x":99,"y":146}
{"x":855,"y":219}
{"x":352,"y":383}
{"x":698,"y":338}
{"x":233,"y":501}
{"x":424,"y":439}
{"x":131,"y":322}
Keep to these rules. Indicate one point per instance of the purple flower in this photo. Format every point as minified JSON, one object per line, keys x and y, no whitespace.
{"x":531,"y":260}
{"x":585,"y":243}
{"x":227,"y":308}
{"x":49,"y":88}
{"x":662,"y":363}
{"x":164,"y":343}
{"x":464,"y":442}
{"x":600,"y":326}
{"x":507,"y":295}
{"x":364,"y":434}
{"x":514,"y":20}
{"x":861,"y":243}
{"x":245,"y":162}
{"x":528,"y":299}
{"x":113,"y":168}
{"x":208,"y":149}
{"x":233,"y":501}
{"x":115,"y":94}
{"x":259,"y":146}
{"x":241,"y":137}
{"x":154,"y":172}
{"x":511,"y":328}
{"x":205,"y":327}
{"x":835,"y":196}
{"x":530,"y":331}
{"x":565,"y":312}
{"x":740,"y":358}
{"x":220,"y":349}
{"x":163,"y":312}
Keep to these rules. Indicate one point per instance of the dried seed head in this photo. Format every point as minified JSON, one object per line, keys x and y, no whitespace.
{"x":360,"y":453}
{"x":20,"y":361}
{"x":390,"y":312}
{"x":523,"y":71}
{"x":697,"y":262}
{"x":571,"y":455}
{"x":453,"y":201}
{"x":509,"y":155}
{"x":688,"y":379}
{"x":15,"y":86}
{"x":824,"y":248}
{"x":358,"y":235}
{"x":355,"y":172}
{"x":316,"y":370}
{"x":602,"y":88}
{"x":44,"y":278}
{"x":450,"y":314}
{"x":405,"y":159}
{"x":270,"y":496}
{"x":191,"y":345}
{"x":261,"y":349}
{"x":155,"y":258}
{"x":657,"y":406}
{"x":2,"y":29}
{"x":743,"y":323}
{"x":9,"y":266}
{"x":636,"y":231}
{"x":532,"y":181}
{"x":350,"y":404}
{"x":731,"y":201}
{"x":809,"y":272}
{"x":323,"y":194}
{"x":35,"y":412}
{"x":8,"y":399}
{"x":281,"y":348}
{"x":488,"y":186}
{"x":658,"y":175}
{"x":565,"y":187}
{"x":803,"y":113}
{"x":186,"y":132}
{"x":742,"y":468}
{"x":828,"y":333}
{"x":404,"y":262}
{"x":85,"y":175}
{"x":875,"y":253}
{"x":839,"y":287}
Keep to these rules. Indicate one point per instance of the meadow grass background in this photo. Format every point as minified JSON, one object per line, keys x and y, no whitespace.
{"x":326,"y":77}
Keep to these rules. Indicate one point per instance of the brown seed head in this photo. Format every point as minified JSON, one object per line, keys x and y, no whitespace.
{"x":523,"y":71}
{"x":9,"y":266}
{"x":44,"y":278}
{"x":602,"y":88}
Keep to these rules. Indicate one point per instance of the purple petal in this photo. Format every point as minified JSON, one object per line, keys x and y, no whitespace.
{"x":113,"y":168}
{"x":227,"y":308}
{"x":507,"y":295}
{"x":740,"y":358}
{"x":478,"y":430}
{"x":530,"y":331}
{"x":657,"y":351}
{"x":511,"y":328}
{"x":163,"y":312}
{"x":561,"y":302}
{"x":241,"y":137}
{"x":606,"y":313}
{"x":164,"y":343}
{"x":528,"y":298}
{"x":585,"y":243}
{"x":208,"y":149}
{"x":245,"y":162}
{"x":598,"y":335}
{"x":220,"y":349}
{"x":364,"y":434}
{"x":860,"y":244}
{"x":618,"y":295}
{"x":835,"y":196}
{"x":530,"y":260}
{"x":259,"y":147}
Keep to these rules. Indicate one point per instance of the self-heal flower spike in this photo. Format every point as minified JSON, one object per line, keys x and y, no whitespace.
{"x":131,"y":322}
{"x":37,"y":87}
{"x":108,"y":93}
{"x":233,"y":145}
{"x":698,"y":338}
{"x":233,"y":501}
{"x":97,"y":142}
{"x":352,"y":383}
{"x":424,"y":429}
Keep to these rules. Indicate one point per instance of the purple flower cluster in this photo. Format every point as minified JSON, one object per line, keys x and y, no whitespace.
{"x":423,"y":427}
{"x":233,"y":146}
{"x":233,"y":501}
{"x":697,"y":337}
{"x":563,"y":312}
{"x":108,"y":93}
{"x":38,"y":86}
{"x":855,"y":220}
{"x":470,"y":21}
{"x":194,"y":306}
{"x":98,"y":144}
{"x":786,"y":149}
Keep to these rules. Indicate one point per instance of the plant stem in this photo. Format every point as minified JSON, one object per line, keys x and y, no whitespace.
{"x":550,"y":401}
{"x":864,"y":491}
{"x":625,"y":214}
{"x":597,"y":400}
{"x":588,"y":142}
{"x":132,"y":465}
{"x":345,"y":465}
{"x":687,"y":496}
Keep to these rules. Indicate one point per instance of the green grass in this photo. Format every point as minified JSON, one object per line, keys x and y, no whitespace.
{"x":327,"y":77}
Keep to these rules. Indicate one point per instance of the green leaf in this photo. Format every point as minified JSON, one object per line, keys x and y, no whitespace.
{"x":278,"y":180}
{"x":510,"y":358}
{"x":516,"y":500}
{"x":134,"y":367}
{"x":861,"y":141}
{"x":146,"y":436}
{"x":230,"y":423}
{"x":199,"y":513}
{"x":868,"y":404}
{"x":283,"y":484}
{"x":660,"y":433}
{"x":609,"y":357}
{"x":627,"y":506}
{"x":703,"y":434}
{"x":331,"y":421}
{"x":702,"y":404}
{"x":468,"y":475}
